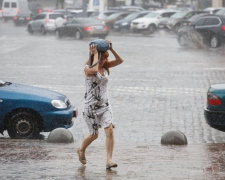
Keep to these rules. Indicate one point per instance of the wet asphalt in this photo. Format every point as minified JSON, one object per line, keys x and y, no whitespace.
{"x":159,"y":87}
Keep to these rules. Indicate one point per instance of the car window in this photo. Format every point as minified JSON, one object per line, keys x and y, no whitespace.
{"x":42,"y":16}
{"x":200,"y":22}
{"x":179,"y":14}
{"x":14,"y":5}
{"x":6,"y":5}
{"x":55,"y":16}
{"x":211,"y":21}
{"x":131,"y":16}
{"x":152,"y":15}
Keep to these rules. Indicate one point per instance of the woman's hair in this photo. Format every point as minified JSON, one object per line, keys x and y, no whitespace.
{"x":102,"y":54}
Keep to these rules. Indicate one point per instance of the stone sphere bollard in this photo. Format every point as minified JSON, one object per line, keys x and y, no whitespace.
{"x":174,"y":138}
{"x":60,"y":135}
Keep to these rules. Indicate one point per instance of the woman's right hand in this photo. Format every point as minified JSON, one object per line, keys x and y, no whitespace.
{"x":93,"y":49}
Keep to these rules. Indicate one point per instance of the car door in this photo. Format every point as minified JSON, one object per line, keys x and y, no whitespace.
{"x":34,"y":22}
{"x":40,"y":21}
{"x":199,"y":26}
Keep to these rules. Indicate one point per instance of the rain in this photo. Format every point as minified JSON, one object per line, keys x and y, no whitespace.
{"x":161,"y":86}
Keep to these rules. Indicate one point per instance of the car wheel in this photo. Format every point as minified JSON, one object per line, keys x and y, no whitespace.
{"x":152,"y":28}
{"x":23,"y":125}
{"x":214,"y":41}
{"x":78,"y":35}
{"x":58,"y":34}
{"x":182,"y":40}
{"x":43,"y":31}
{"x":30,"y":30}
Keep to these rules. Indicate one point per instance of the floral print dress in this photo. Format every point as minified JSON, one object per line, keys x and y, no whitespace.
{"x":97,"y":111}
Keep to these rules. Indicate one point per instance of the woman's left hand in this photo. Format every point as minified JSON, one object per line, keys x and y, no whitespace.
{"x":110,"y":43}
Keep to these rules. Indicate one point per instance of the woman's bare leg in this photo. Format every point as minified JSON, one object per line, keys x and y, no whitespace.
{"x":86,"y":142}
{"x":109,"y":143}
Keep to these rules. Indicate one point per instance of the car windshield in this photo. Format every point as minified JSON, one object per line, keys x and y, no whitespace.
{"x":131,"y":16}
{"x":152,"y":15}
{"x":196,"y":17}
{"x":179,"y":14}
{"x":55,"y":16}
{"x":115,"y":15}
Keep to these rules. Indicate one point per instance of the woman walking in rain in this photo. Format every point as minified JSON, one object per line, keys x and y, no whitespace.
{"x":97,"y":111}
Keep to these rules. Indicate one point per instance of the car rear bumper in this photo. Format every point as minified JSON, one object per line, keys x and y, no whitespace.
{"x":58,"y":119}
{"x":216,"y":119}
{"x":95,"y":34}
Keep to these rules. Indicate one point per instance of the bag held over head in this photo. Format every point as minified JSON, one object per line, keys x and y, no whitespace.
{"x":102,"y":45}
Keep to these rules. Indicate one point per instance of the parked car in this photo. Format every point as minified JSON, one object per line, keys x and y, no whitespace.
{"x":176,"y":20}
{"x":45,"y":22}
{"x":124,"y":24}
{"x":82,"y":27}
{"x":210,"y":29}
{"x":26,"y":110}
{"x":110,"y":20}
{"x":149,"y":23}
{"x":215,"y":109}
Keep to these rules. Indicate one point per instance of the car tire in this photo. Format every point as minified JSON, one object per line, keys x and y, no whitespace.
{"x":58,"y":34}
{"x":152,"y":28}
{"x":214,"y":42}
{"x":182,"y":40}
{"x":43,"y":31}
{"x":78,"y":35}
{"x":23,"y":125}
{"x":29,"y":29}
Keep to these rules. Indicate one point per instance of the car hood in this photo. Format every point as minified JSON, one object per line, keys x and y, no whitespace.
{"x":31,"y":92}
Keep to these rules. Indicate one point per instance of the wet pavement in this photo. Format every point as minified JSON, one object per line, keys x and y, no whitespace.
{"x":159,"y":87}
{"x":29,"y":159}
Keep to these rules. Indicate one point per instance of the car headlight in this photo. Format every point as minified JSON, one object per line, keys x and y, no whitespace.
{"x":58,"y":104}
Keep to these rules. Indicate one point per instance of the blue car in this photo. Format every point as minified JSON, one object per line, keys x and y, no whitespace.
{"x":25,"y":111}
{"x":215,"y":110}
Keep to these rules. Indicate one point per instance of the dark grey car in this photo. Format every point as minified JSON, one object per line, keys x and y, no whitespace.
{"x":208,"y":29}
{"x":82,"y":27}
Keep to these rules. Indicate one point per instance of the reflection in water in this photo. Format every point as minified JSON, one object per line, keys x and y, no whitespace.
{"x":110,"y":173}
{"x":216,"y":159}
{"x":83,"y":175}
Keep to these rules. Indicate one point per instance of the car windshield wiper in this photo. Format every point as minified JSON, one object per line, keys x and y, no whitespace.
{"x":5,"y":84}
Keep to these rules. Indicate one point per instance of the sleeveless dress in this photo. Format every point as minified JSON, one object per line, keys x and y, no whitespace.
{"x":97,"y":110}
